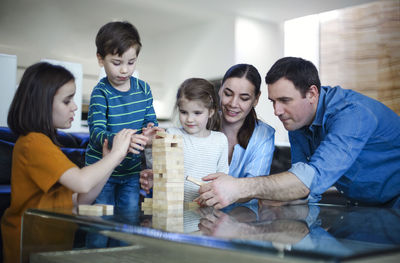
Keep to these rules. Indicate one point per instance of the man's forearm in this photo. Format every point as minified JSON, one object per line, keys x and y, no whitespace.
{"x":277,"y":187}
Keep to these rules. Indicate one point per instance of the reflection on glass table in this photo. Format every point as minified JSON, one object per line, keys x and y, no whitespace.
{"x":299,"y":233}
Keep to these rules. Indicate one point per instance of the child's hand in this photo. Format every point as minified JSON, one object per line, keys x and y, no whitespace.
{"x":146,"y":180}
{"x":150,"y":131}
{"x":138,"y":141}
{"x":106,"y":151}
{"x":121,"y":143}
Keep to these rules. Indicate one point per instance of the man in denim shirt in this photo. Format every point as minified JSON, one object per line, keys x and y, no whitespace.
{"x":338,"y":137}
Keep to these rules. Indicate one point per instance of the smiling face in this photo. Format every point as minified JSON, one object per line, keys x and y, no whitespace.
{"x":194,"y":116}
{"x":294,"y":110}
{"x":64,"y":106}
{"x":119,"y":69}
{"x":237,"y":99}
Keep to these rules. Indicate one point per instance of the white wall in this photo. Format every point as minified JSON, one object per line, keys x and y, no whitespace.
{"x":204,"y":51}
{"x":302,"y":38}
{"x":8,"y":79}
{"x":261,"y":44}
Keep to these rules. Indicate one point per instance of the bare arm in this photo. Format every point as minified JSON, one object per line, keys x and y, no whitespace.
{"x":90,"y":179}
{"x":88,"y":198}
{"x":225,"y":190}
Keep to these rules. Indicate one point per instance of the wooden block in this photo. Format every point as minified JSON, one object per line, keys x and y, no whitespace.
{"x":168,"y":196}
{"x":147,"y":210}
{"x":160,"y":169}
{"x":91,"y":210}
{"x":166,"y":204}
{"x":161,"y":134}
{"x":195,"y":180}
{"x":161,"y":180}
{"x":166,"y":157}
{"x":167,"y":207}
{"x":166,"y":141}
{"x":147,"y":203}
{"x":169,"y":167}
{"x":167,"y":221}
{"x":163,"y":149}
{"x":169,"y":140}
{"x":107,"y":209}
{"x":171,"y":213}
{"x":191,"y":205}
{"x":168,"y":187}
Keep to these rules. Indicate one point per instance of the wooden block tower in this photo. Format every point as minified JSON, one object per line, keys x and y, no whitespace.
{"x":168,"y":187}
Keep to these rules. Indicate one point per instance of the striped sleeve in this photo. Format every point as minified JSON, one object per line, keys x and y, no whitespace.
{"x":97,"y":116}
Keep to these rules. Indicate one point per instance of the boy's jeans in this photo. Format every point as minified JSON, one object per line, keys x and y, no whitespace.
{"x":122,"y":192}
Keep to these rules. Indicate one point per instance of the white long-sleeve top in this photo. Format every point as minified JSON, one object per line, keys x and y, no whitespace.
{"x":202,"y":156}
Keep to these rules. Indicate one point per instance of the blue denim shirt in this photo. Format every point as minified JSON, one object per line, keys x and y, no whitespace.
{"x":354,"y":144}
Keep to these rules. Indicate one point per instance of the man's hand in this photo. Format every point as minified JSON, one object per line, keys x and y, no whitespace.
{"x":146,"y":180}
{"x":219,"y":224}
{"x":221,"y":192}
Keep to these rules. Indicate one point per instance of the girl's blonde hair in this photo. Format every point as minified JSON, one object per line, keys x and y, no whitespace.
{"x":204,"y":91}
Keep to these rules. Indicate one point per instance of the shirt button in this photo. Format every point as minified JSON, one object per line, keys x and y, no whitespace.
{"x":341,"y":192}
{"x":308,"y":158}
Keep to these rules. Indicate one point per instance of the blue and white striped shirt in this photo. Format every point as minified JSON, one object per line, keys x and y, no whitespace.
{"x":112,"y":110}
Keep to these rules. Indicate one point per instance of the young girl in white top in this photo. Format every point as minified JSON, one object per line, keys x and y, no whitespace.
{"x":205,"y":148}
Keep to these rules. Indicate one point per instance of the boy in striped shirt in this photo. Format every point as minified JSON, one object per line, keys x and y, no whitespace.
{"x":120,"y":101}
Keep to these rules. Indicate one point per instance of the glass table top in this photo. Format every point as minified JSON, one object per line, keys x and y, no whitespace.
{"x":318,"y":232}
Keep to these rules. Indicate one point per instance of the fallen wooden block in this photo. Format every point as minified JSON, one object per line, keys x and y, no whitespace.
{"x":96,"y":210}
{"x":90,"y":210}
{"x":107,"y":209}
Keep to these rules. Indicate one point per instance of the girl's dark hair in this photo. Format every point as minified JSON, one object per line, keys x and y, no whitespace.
{"x":251,"y":74}
{"x":32,"y":107}
{"x":116,"y":38}
{"x":204,"y":91}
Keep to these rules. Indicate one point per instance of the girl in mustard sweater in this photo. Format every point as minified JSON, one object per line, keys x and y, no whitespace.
{"x":42,"y":176}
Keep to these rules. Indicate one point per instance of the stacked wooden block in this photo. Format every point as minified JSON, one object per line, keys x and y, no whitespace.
{"x":168,"y":187}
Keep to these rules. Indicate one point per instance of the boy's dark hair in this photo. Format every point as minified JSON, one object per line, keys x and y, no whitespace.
{"x":116,"y":38}
{"x":31,"y":109}
{"x":251,"y":74}
{"x":301,"y":72}
{"x":204,"y":91}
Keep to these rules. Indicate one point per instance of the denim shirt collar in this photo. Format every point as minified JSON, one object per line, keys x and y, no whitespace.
{"x":319,"y":115}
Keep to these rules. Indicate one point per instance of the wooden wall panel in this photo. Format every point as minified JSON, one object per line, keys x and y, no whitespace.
{"x":360,"y":50}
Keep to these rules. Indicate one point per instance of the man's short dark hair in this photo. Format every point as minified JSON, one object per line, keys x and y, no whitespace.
{"x":116,"y":38}
{"x":301,"y":72}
